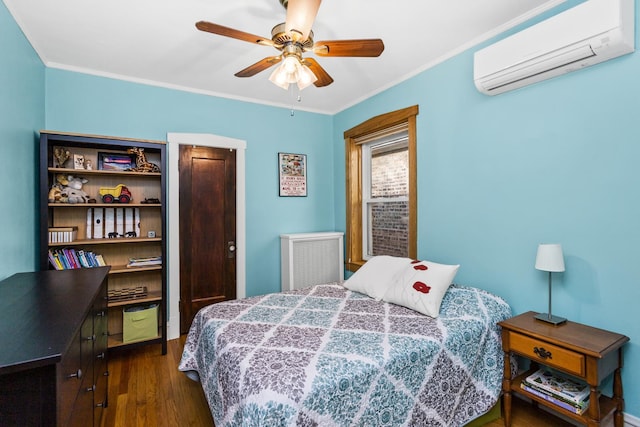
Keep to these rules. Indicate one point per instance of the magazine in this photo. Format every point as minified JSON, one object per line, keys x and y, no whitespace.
{"x":557,"y":383}
{"x":563,"y":403}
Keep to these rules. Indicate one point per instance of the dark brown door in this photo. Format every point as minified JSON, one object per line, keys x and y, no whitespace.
{"x":207,"y":229}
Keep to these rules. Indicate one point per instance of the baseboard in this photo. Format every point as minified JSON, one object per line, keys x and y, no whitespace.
{"x":631,"y":421}
{"x":173,"y":328}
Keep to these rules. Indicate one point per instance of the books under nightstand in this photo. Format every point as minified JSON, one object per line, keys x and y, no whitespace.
{"x":559,"y":389}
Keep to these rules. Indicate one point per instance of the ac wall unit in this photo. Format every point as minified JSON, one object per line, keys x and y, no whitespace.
{"x":592,"y":32}
{"x":311,"y":259}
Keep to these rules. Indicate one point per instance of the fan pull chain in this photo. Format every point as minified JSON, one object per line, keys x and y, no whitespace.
{"x":298,"y":98}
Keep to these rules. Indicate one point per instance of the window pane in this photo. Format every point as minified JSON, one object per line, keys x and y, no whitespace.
{"x":389,"y":171}
{"x":389,"y":232}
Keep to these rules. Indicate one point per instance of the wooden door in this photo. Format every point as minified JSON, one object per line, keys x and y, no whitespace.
{"x":207,"y":229}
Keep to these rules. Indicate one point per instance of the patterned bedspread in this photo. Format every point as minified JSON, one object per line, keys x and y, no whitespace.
{"x":326,"y":356}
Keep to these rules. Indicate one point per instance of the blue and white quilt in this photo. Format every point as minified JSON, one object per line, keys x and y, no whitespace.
{"x":327,"y":356}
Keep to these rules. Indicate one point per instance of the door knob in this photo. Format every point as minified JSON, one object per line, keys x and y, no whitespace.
{"x":231,"y":249}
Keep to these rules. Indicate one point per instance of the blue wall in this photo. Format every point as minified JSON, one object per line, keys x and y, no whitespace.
{"x":555,"y":162}
{"x":552,"y":162}
{"x":87,"y":104}
{"x":21,"y":116}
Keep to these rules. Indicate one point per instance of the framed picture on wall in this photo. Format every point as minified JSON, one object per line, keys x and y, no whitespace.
{"x":292,"y":172}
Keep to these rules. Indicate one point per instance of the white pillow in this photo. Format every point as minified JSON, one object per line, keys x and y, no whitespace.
{"x":376,"y":275}
{"x":421,"y":286}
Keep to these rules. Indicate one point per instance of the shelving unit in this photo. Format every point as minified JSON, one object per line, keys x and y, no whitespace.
{"x":150,"y":239}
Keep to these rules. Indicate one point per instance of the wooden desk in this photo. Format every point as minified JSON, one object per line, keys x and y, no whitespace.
{"x":587,"y":353}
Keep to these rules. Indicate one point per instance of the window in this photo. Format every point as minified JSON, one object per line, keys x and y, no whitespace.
{"x":385,"y":196}
{"x":381,"y":187}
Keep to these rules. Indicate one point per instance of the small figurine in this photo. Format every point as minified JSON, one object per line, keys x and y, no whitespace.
{"x":88,"y":165}
{"x":61,"y":155}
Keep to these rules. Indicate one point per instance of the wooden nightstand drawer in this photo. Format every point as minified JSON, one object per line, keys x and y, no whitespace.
{"x":548,"y":354}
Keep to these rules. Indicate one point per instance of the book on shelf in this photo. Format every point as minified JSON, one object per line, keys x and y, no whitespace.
{"x":69,"y":259}
{"x":62,"y":234}
{"x":556,"y":400}
{"x":144,"y":261}
{"x":54,"y":261}
{"x":100,"y":260}
{"x":560,"y":385}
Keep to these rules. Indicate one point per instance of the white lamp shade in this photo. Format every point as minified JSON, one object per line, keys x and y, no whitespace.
{"x":291,"y":70}
{"x":550,"y":257}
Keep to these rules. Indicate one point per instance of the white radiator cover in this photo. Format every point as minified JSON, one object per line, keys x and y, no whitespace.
{"x":311,"y":259}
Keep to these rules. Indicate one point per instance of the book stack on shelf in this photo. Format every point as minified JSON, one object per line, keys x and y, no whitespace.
{"x":62,"y":234}
{"x":559,"y":389}
{"x":145,"y":261}
{"x":69,"y":258}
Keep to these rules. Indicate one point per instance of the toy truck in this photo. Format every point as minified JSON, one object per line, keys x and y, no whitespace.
{"x":120,"y":193}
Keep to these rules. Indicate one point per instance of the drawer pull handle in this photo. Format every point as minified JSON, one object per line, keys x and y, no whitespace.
{"x":100,"y":405}
{"x":544,"y":354}
{"x":77,"y":374}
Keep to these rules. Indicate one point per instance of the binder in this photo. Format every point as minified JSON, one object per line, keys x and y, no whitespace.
{"x":98,"y":223}
{"x":120,"y":221}
{"x":128,"y":220}
{"x":89,"y":233}
{"x":136,"y":215}
{"x":109,"y":221}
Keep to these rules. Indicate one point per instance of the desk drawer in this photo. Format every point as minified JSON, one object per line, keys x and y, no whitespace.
{"x":548,"y":354}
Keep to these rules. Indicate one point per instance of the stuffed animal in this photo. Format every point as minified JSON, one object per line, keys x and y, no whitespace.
{"x":55,"y":194}
{"x":70,"y":189}
{"x":74,"y":196}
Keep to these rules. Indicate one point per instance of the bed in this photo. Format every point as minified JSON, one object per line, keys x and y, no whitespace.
{"x":332,"y":356}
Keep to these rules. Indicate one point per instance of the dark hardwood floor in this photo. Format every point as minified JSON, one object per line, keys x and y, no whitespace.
{"x":147,"y":390}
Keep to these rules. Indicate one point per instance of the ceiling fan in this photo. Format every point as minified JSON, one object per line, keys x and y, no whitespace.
{"x":293,"y":38}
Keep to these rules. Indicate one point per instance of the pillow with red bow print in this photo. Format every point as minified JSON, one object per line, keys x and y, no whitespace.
{"x":421,"y":286}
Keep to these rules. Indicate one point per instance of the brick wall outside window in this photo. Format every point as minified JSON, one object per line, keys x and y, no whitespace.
{"x":389,"y":178}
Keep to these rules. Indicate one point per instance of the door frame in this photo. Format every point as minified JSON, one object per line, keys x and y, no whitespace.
{"x":174,"y":140}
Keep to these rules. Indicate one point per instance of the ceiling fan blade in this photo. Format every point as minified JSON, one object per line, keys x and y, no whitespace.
{"x":221,"y":30}
{"x":324,"y":79}
{"x":300,"y":17}
{"x":361,"y":47}
{"x":261,"y":65}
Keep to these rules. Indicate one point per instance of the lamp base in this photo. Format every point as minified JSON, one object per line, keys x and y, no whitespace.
{"x":550,"y":318}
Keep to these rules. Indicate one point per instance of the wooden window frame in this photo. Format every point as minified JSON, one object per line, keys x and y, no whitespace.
{"x":353,"y":160}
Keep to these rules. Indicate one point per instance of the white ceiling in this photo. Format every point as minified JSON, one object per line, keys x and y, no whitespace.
{"x":156,"y":42}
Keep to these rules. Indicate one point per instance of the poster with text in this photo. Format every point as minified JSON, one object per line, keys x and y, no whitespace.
{"x":293,"y":174}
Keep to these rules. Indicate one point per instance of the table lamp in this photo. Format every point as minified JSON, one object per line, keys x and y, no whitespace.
{"x":550,"y":259}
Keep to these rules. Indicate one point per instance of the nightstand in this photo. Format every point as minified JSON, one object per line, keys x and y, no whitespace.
{"x":587,"y":353}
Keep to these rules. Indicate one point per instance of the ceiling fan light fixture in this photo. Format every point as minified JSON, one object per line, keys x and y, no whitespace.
{"x":290,"y":71}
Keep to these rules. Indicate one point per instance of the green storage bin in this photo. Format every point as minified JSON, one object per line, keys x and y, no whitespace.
{"x":139,"y":323}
